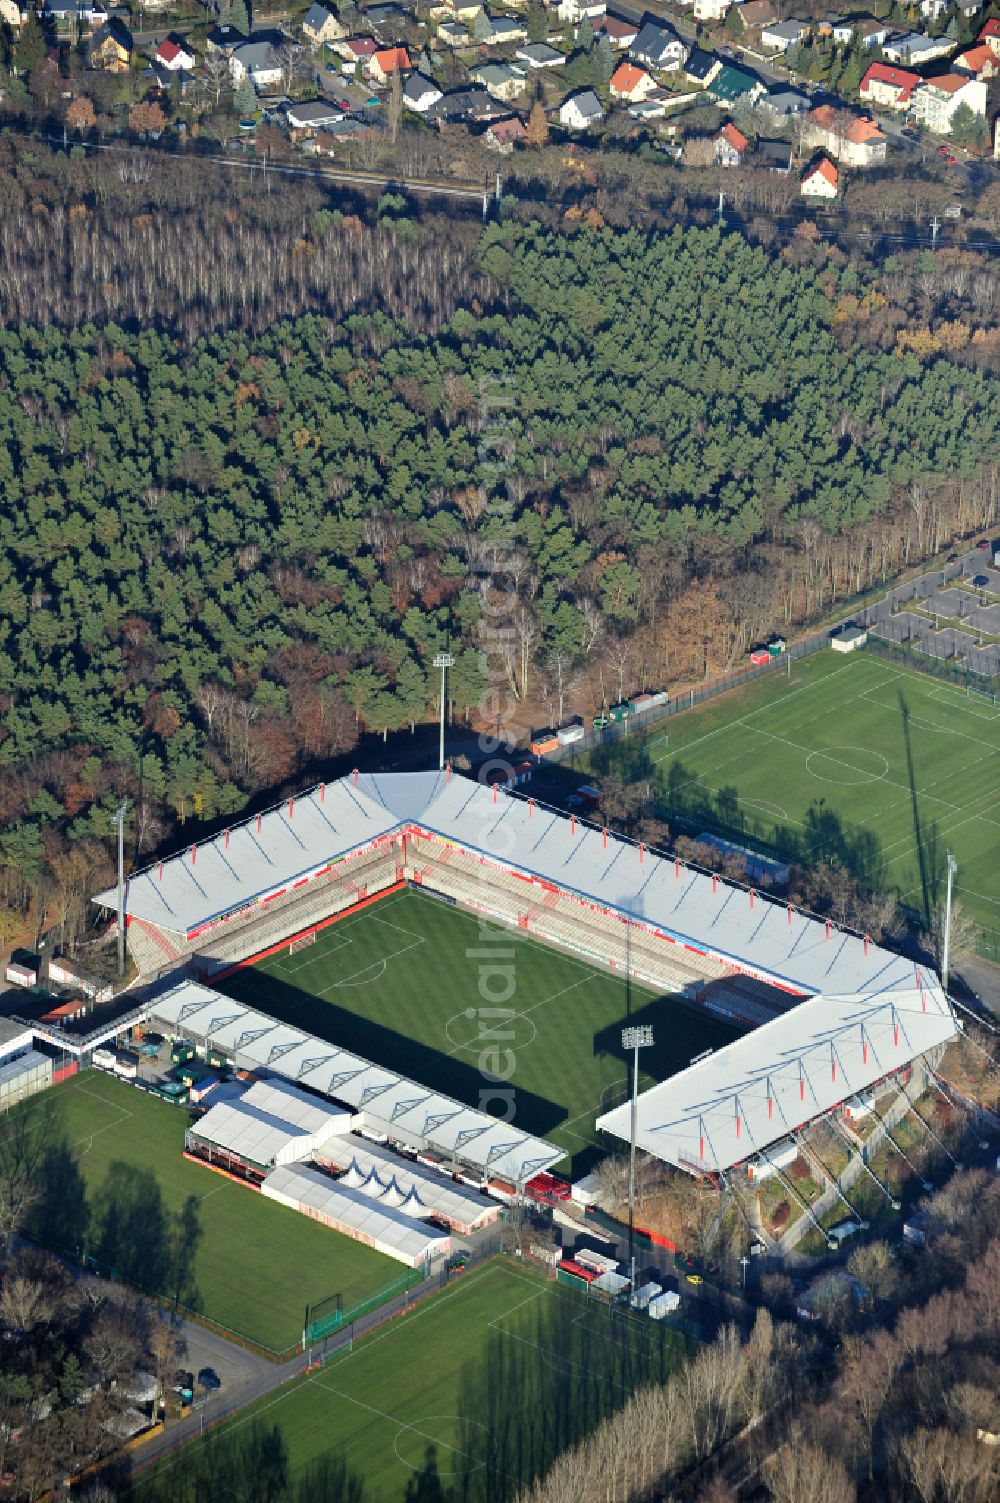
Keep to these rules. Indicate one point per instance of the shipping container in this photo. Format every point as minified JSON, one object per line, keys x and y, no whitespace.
{"x":181,"y":1052}
{"x":544,"y":743}
{"x":104,"y":1059}
{"x":640,"y":702}
{"x":620,"y":712}
{"x":126,"y":1065}
{"x":569,"y":733}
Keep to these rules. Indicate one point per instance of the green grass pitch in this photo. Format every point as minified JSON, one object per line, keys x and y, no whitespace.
{"x":252,"y":1264}
{"x":850,"y":757}
{"x":399,"y":984}
{"x":497,"y":1373}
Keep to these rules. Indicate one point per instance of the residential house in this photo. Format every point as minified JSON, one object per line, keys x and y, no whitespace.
{"x":356,"y":51}
{"x":732,"y":84}
{"x":785,"y":102}
{"x":871,"y":33}
{"x":620,"y":33}
{"x":451,"y":34}
{"x":937,"y":99}
{"x":756,"y":14}
{"x":913,"y":49}
{"x":111,"y":48}
{"x":631,"y":83}
{"x":384,"y":19}
{"x":259,"y":61}
{"x":731,"y":146}
{"x":653,"y":108}
{"x":503,"y":135}
{"x":225,"y":39}
{"x":312,"y":115}
{"x":780,"y":35}
{"x":419,"y":93}
{"x":505,"y":31}
{"x":502,"y":81}
{"x":821,"y":179}
{"x":581,"y":111}
{"x":979,"y":62}
{"x":773,"y":156}
{"x":854,"y":140}
{"x":539,"y":55}
{"x":969,"y":8}
{"x":888,"y":86}
{"x":75,"y":15}
{"x":474,"y":105}
{"x":701,"y":67}
{"x":711,"y":11}
{"x":658,"y":46}
{"x":575,"y":11}
{"x":320,"y":26}
{"x":990,"y":36}
{"x":385,"y":62}
{"x":174,"y":55}
{"x":930,"y":10}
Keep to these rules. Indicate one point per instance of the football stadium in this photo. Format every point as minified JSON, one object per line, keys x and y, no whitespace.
{"x":823,"y":1014}
{"x":394,"y":1004}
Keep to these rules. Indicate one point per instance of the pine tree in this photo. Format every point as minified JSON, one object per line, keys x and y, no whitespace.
{"x":604,"y":64}
{"x":30,"y":47}
{"x":585,"y":36}
{"x":239,"y":17}
{"x":245,"y":97}
{"x":733,"y":24}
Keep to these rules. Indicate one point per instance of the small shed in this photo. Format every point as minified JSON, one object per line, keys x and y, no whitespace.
{"x":848,"y":638}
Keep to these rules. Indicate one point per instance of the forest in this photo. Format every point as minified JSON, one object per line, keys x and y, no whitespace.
{"x":584,"y":459}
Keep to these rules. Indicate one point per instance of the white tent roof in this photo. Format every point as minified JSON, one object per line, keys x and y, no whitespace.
{"x":752,"y":1093}
{"x":280,"y":1099}
{"x":415,"y":1113}
{"x":762,"y":937}
{"x":249,"y":1133}
{"x":430,"y":1193}
{"x":389,"y":1228}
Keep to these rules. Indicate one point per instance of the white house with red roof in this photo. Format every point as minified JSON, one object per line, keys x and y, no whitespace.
{"x":937,"y":100}
{"x":888,"y":86}
{"x":174,"y":55}
{"x":731,"y":146}
{"x":632,"y":83}
{"x":990,"y":35}
{"x":387,"y":61}
{"x":979,"y":62}
{"x":821,"y":179}
{"x":853,"y":139}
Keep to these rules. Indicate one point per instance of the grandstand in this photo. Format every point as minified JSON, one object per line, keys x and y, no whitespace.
{"x":278,"y":877}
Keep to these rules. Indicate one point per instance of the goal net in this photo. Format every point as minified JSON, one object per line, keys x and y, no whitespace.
{"x":971,"y":692}
{"x":303,"y":940}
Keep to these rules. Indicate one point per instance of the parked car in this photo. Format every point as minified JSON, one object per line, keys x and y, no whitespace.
{"x":944,"y":151}
{"x":209,"y":1378}
{"x":983,"y":546}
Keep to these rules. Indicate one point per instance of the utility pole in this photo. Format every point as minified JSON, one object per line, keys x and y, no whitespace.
{"x":118,"y":818}
{"x":946,"y":954}
{"x":444,"y":661}
{"x":935,"y":226}
{"x":722,"y":204}
{"x":634,"y":1039}
{"x":743,"y":1264}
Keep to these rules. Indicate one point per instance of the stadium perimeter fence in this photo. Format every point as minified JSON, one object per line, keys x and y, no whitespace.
{"x":933,"y":667}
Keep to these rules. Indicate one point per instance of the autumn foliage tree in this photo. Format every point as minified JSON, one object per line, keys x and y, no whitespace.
{"x":146,"y":118}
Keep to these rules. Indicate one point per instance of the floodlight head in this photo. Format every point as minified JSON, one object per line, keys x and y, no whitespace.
{"x":120,"y":813}
{"x":952,"y":863}
{"x":444,"y":660}
{"x":637,"y":1038}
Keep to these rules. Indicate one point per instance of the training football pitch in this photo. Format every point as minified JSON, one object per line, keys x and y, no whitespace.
{"x":494,"y":1376}
{"x":851,"y":758}
{"x":124,"y":1195}
{"x":399,"y":984}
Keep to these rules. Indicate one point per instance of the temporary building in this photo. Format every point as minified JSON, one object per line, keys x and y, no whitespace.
{"x":425,"y":1192}
{"x":353,"y":1215}
{"x":266,"y":1126}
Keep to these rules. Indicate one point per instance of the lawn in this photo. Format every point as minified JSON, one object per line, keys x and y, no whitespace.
{"x":496,"y":1374}
{"x":851,"y":758}
{"x":398,"y":983}
{"x":125,"y":1196}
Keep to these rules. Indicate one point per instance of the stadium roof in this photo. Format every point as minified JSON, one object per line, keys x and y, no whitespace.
{"x":385,"y":1227}
{"x":415,"y":1113}
{"x":728,"y":1107}
{"x":248,"y":1132}
{"x":748,"y":932}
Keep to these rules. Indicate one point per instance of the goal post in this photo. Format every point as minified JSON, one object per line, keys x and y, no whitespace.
{"x":972,"y":692}
{"x":301,"y":942}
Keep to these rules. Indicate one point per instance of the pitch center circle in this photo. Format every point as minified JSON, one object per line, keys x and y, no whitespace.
{"x":475,"y":1029}
{"x":847,"y":765}
{"x":412,"y":1441}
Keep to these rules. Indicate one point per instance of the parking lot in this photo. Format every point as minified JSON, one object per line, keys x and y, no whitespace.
{"x":965,"y":594}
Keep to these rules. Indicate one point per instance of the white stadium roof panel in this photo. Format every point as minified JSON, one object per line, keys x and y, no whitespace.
{"x":474,"y":1136}
{"x":727,"y":1107}
{"x":245,"y":1131}
{"x":390,"y":1230}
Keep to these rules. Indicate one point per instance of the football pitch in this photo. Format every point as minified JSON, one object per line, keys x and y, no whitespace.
{"x":399,"y":984}
{"x":124,"y":1195}
{"x":493,"y":1377}
{"x":852,"y":759}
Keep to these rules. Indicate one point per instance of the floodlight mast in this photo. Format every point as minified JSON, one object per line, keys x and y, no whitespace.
{"x":118,"y":818}
{"x":946,"y":951}
{"x":635,"y":1038}
{"x":444,"y":661}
